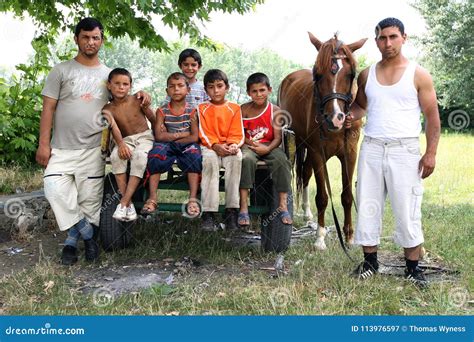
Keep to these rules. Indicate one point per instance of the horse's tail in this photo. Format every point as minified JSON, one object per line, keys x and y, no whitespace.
{"x":299,"y":162}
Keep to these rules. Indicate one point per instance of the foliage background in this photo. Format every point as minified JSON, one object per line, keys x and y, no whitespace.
{"x":449,"y":52}
{"x":134,"y":44}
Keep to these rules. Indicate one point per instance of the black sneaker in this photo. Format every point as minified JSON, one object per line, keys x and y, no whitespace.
{"x":208,"y":224}
{"x":69,"y":255}
{"x":91,"y":250}
{"x":231,"y":219}
{"x":365,"y":270}
{"x":417,"y":278}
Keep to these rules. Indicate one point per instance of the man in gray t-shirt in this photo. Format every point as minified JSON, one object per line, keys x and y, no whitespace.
{"x":80,"y":92}
{"x":73,"y":97}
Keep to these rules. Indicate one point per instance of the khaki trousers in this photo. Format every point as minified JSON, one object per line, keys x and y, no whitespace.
{"x":211,"y":164}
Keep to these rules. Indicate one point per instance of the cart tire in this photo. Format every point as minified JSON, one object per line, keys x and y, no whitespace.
{"x":275,"y":235}
{"x":114,"y":234}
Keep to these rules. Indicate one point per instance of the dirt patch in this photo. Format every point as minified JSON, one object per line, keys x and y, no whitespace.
{"x":16,"y":256}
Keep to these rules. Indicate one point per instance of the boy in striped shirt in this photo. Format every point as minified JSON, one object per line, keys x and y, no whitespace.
{"x":176,"y":137}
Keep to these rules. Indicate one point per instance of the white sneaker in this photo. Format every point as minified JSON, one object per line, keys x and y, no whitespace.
{"x":120,"y":213}
{"x":131,"y":213}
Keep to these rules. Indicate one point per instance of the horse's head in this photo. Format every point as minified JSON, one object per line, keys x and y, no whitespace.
{"x":333,"y":74}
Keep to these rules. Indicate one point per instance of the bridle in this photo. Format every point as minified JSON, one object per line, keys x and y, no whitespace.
{"x":347,"y":98}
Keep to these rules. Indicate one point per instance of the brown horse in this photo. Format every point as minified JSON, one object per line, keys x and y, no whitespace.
{"x":318,"y":103}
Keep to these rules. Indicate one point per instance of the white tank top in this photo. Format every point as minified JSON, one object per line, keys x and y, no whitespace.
{"x":393,"y":111}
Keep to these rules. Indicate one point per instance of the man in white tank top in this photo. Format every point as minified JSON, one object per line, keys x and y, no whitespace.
{"x":393,"y":92}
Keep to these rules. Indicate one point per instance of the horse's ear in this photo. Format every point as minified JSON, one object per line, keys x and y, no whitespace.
{"x":315,"y":41}
{"x":357,"y":45}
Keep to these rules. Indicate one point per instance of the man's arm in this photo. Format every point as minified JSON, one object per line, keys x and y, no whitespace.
{"x":358,"y":107}
{"x":429,"y":107}
{"x":43,"y":153}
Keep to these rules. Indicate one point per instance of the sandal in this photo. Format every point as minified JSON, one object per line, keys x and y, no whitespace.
{"x":243,"y":220}
{"x":149,"y":207}
{"x":193,"y":209}
{"x":285,"y":216}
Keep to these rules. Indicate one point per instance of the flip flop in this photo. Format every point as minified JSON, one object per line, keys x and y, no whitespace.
{"x":243,"y":217}
{"x":285,"y":215}
{"x":193,"y":209}
{"x":149,"y":207}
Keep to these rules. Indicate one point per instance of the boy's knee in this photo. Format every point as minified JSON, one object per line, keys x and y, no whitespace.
{"x":209,"y":160}
{"x":118,"y":165}
{"x":248,"y":163}
{"x":138,"y":165}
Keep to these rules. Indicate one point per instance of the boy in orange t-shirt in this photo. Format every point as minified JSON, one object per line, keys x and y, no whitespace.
{"x":221,"y":133}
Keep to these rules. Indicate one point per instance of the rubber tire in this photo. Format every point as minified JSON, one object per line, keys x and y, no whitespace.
{"x":275,"y":235}
{"x":114,"y":234}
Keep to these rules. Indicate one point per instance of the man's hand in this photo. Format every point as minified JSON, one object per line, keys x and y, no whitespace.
{"x":427,"y":165}
{"x":260,"y":149}
{"x":124,"y":152}
{"x":43,"y":153}
{"x":348,"y":122}
{"x":145,"y":97}
{"x":222,"y":150}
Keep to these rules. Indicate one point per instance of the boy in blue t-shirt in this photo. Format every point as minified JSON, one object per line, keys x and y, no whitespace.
{"x":190,"y":62}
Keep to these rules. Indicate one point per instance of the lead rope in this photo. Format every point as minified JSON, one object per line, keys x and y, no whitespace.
{"x":336,"y":221}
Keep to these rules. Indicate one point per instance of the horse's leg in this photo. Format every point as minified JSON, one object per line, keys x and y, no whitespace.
{"x":347,"y":169}
{"x":307,"y":173}
{"x":321,"y":201}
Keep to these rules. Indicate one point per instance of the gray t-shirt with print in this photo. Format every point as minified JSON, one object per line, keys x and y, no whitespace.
{"x":81,"y":92}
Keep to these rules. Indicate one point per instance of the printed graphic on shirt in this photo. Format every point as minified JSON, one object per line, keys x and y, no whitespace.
{"x":257,"y":133}
{"x":85,"y":85}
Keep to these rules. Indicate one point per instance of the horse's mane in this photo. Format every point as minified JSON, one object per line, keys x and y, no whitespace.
{"x":326,"y":53}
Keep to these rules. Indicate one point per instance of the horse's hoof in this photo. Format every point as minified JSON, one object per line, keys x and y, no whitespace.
{"x":320,"y":245}
{"x":350,"y":243}
{"x":308,"y":216}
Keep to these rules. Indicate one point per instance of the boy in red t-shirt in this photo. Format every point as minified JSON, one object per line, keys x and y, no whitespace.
{"x":262,"y":141}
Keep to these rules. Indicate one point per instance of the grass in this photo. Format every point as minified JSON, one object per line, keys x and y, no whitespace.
{"x":15,"y":178}
{"x":230,"y":280}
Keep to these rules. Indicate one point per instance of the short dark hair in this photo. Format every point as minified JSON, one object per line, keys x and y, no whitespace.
{"x":189,"y":53}
{"x":258,"y":77}
{"x":177,"y":76}
{"x":120,"y":71}
{"x":89,"y":24}
{"x":213,"y":75}
{"x":389,"y":22}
